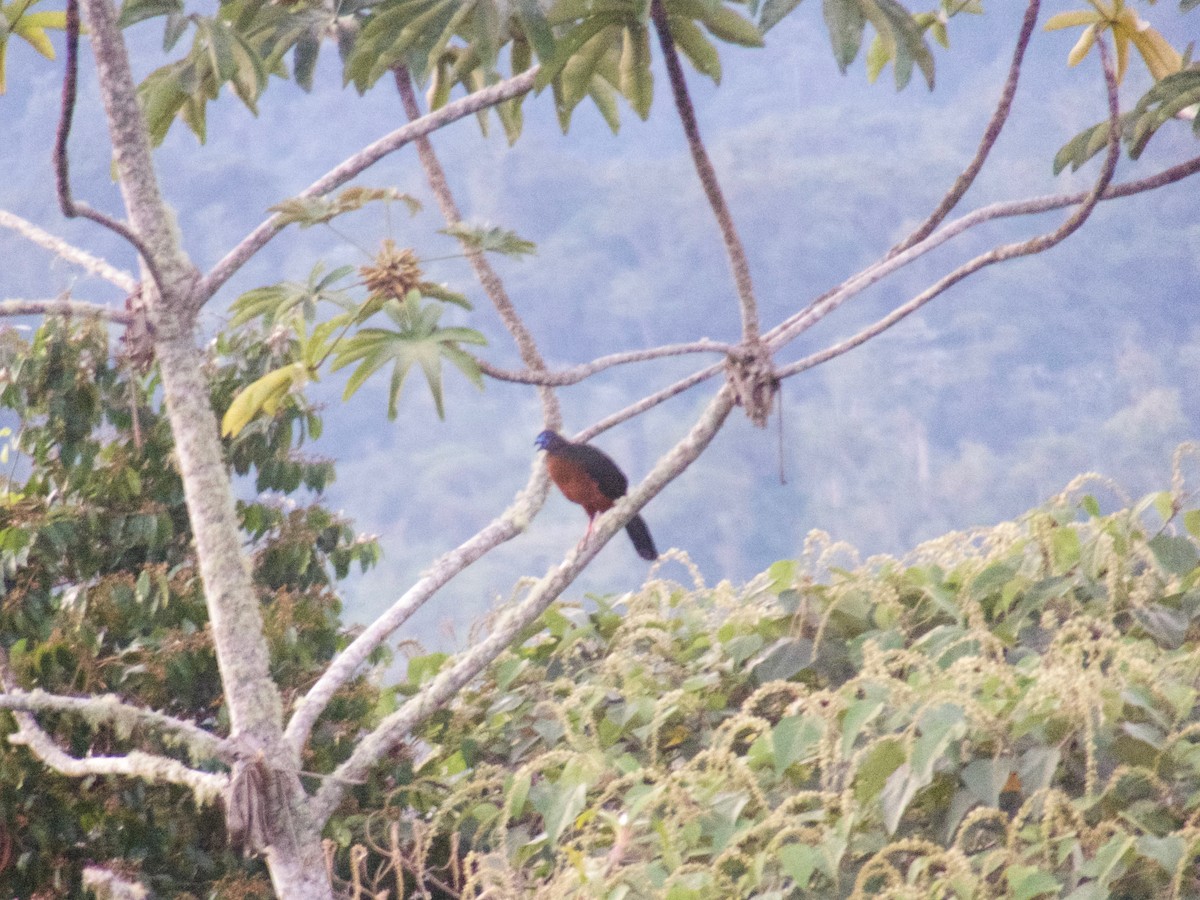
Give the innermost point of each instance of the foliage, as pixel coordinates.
(1174, 95)
(396, 288)
(1010, 712)
(100, 594)
(596, 50)
(16, 19)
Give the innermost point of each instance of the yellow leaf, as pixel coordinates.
(1071, 19)
(1160, 57)
(1082, 46)
(264, 395)
(36, 38)
(1121, 39)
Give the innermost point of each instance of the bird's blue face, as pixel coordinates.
(544, 440)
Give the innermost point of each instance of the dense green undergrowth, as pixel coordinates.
(1006, 713)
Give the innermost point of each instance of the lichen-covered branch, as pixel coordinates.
(110, 709)
(355, 165)
(60, 248)
(444, 686)
(708, 175)
(62, 307)
(205, 786)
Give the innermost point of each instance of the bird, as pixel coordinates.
(588, 476)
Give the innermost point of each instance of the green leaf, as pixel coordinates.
(721, 21)
(1191, 521)
(574, 40)
(418, 342)
(773, 12)
(1176, 554)
(1026, 882)
(309, 211)
(635, 80)
(845, 22)
(697, 48)
(1088, 143)
(939, 727)
(536, 28)
(490, 239)
(1161, 104)
(794, 738)
(133, 11)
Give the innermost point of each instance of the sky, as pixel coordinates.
(981, 406)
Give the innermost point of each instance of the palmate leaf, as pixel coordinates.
(417, 341)
(604, 46)
(275, 302)
(490, 239)
(309, 211)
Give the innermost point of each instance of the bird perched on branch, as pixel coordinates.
(588, 477)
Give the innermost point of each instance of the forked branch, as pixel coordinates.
(492, 285)
(1038, 244)
(515, 619)
(991, 133)
(72, 208)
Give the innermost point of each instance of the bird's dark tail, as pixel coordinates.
(640, 535)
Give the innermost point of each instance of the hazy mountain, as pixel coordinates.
(980, 406)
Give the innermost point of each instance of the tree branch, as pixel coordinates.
(801, 321)
(205, 785)
(112, 710)
(62, 307)
(1038, 244)
(649, 402)
(355, 165)
(708, 175)
(576, 374)
(990, 134)
(62, 249)
(70, 208)
(492, 285)
(510, 523)
(468, 665)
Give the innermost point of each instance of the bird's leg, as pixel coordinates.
(587, 534)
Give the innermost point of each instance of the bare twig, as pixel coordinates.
(61, 307)
(990, 134)
(1033, 245)
(113, 710)
(72, 208)
(649, 402)
(492, 285)
(469, 664)
(355, 165)
(576, 374)
(56, 245)
(708, 175)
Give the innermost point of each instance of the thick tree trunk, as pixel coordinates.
(290, 835)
